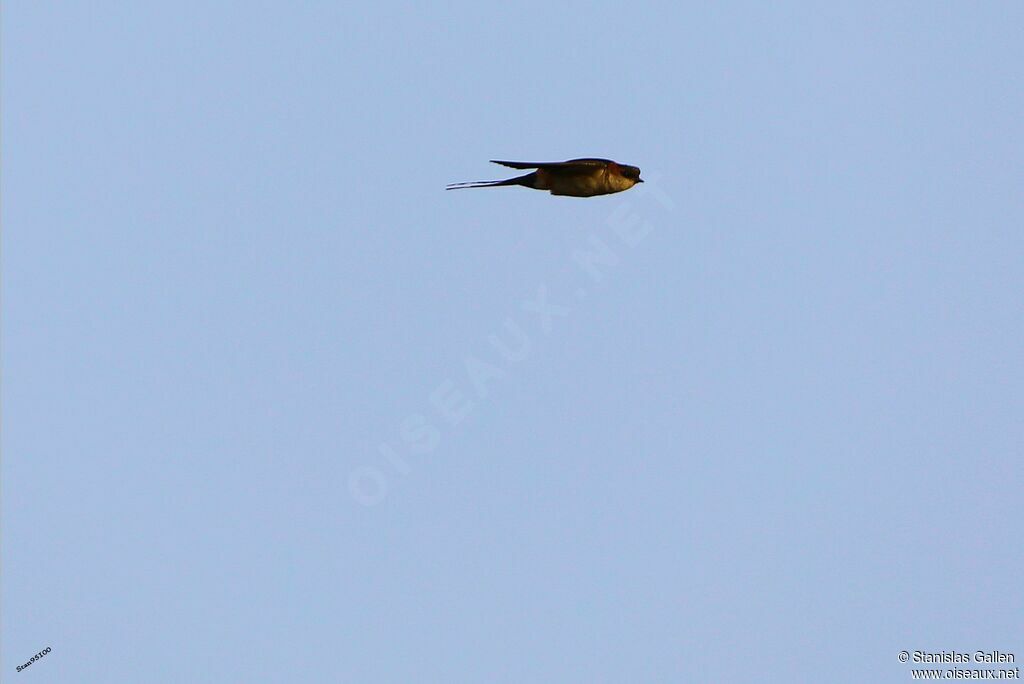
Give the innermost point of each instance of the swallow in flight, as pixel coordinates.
(576, 177)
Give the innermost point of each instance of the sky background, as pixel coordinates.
(278, 408)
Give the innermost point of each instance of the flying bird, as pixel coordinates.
(575, 178)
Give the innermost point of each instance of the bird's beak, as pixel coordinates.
(639, 180)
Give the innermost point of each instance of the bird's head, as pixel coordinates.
(631, 172)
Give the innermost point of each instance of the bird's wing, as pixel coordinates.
(577, 165)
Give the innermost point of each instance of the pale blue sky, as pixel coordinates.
(256, 427)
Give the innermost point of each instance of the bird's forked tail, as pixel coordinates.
(527, 180)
